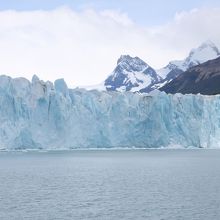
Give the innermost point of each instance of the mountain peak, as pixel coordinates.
(206, 51)
(206, 45)
(131, 74)
(124, 58)
(129, 59)
(203, 78)
(131, 63)
(209, 44)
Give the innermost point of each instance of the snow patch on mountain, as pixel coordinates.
(206, 51)
(131, 74)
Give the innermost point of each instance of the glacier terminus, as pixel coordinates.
(45, 115)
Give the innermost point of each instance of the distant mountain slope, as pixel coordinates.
(206, 51)
(131, 74)
(203, 78)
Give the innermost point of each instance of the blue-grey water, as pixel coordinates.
(114, 185)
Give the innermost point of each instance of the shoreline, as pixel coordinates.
(101, 149)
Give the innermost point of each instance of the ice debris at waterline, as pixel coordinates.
(44, 115)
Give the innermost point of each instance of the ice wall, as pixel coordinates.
(40, 114)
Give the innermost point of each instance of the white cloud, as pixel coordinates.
(188, 29)
(83, 47)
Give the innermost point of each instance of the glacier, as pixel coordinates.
(45, 115)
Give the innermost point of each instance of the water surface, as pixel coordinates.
(111, 184)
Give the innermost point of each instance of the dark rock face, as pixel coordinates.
(203, 78)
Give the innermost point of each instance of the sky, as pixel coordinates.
(81, 40)
(148, 12)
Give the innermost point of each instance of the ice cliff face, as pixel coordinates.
(40, 114)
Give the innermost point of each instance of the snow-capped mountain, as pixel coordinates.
(206, 51)
(131, 74)
(134, 75)
(203, 78)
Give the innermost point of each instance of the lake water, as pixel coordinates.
(110, 184)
